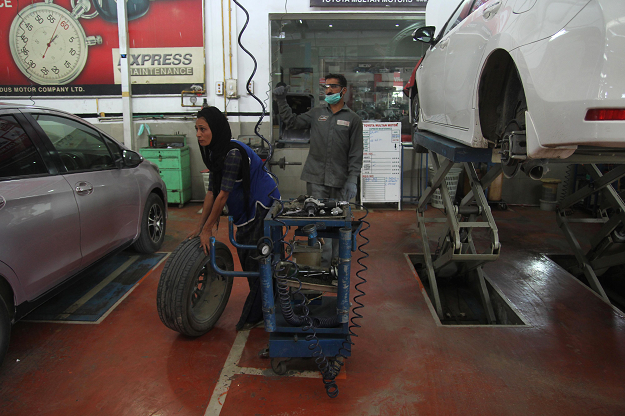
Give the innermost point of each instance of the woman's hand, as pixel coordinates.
(196, 231)
(205, 238)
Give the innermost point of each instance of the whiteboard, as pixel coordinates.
(380, 179)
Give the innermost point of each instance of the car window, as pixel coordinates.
(463, 10)
(18, 154)
(79, 146)
(116, 151)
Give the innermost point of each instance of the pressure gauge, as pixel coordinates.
(48, 43)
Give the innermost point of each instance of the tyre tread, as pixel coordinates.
(180, 266)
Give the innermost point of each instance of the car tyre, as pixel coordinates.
(191, 296)
(152, 226)
(5, 329)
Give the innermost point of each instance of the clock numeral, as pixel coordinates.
(71, 39)
(29, 27)
(72, 51)
(67, 64)
(44, 71)
(55, 70)
(64, 25)
(39, 19)
(24, 38)
(25, 51)
(31, 64)
(51, 18)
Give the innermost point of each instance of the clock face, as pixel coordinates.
(48, 44)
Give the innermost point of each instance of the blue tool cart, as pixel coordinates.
(305, 307)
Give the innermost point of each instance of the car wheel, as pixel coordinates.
(191, 296)
(5, 329)
(415, 109)
(152, 226)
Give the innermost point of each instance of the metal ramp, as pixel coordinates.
(608, 245)
(456, 245)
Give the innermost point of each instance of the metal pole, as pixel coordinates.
(122, 29)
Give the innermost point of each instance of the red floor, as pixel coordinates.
(570, 360)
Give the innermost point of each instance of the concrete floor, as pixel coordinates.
(568, 360)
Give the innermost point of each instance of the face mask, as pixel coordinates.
(333, 98)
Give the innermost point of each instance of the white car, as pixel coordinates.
(532, 79)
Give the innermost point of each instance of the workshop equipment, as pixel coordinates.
(171, 154)
(457, 250)
(608, 245)
(298, 325)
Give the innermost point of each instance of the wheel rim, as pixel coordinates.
(155, 223)
(208, 292)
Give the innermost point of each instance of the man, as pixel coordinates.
(334, 160)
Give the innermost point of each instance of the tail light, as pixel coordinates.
(605, 114)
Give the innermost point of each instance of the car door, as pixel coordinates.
(40, 237)
(431, 77)
(108, 197)
(430, 84)
(465, 50)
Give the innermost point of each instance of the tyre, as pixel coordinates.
(152, 226)
(191, 296)
(5, 329)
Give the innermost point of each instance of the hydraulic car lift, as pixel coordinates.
(457, 246)
(608, 245)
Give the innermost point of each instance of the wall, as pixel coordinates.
(224, 59)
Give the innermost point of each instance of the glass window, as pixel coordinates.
(18, 154)
(459, 15)
(114, 148)
(79, 146)
(376, 56)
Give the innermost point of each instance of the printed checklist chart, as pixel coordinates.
(381, 166)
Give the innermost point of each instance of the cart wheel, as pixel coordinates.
(264, 353)
(503, 206)
(278, 366)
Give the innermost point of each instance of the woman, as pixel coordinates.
(238, 179)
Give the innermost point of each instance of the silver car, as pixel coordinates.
(69, 196)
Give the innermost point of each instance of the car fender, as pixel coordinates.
(545, 19)
(7, 273)
(148, 185)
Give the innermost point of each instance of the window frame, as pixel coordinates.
(465, 6)
(24, 123)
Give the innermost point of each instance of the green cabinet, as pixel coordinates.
(175, 166)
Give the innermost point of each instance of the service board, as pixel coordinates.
(381, 167)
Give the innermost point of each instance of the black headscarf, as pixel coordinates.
(214, 155)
